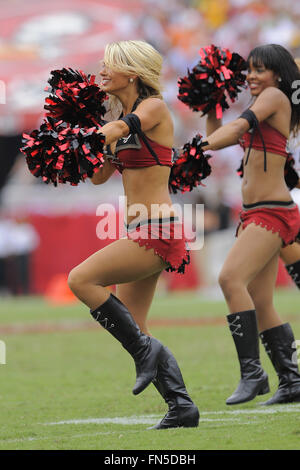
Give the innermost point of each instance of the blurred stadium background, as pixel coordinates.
(45, 231)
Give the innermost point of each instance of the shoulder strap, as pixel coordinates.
(254, 124)
(134, 124)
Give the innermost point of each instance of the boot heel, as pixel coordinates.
(265, 388)
(192, 419)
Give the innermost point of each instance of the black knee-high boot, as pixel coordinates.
(169, 383)
(145, 350)
(294, 271)
(254, 380)
(279, 343)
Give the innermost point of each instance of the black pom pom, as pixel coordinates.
(240, 170)
(59, 153)
(218, 72)
(190, 168)
(290, 175)
(75, 98)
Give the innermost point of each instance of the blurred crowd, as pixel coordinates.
(177, 28)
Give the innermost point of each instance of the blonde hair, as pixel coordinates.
(137, 58)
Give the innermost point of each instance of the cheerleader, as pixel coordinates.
(291, 254)
(140, 144)
(269, 221)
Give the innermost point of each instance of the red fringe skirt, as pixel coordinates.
(166, 237)
(276, 216)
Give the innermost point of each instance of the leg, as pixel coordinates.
(290, 253)
(249, 256)
(254, 380)
(122, 261)
(281, 348)
(291, 258)
(254, 248)
(277, 338)
(182, 412)
(138, 296)
(261, 290)
(126, 262)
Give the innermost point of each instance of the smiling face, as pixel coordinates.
(113, 82)
(259, 78)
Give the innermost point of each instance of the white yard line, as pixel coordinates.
(127, 420)
(130, 420)
(152, 419)
(238, 416)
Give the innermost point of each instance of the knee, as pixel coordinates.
(75, 280)
(225, 280)
(228, 282)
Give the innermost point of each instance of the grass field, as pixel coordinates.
(67, 383)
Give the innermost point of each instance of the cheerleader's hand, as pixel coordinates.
(63, 154)
(190, 167)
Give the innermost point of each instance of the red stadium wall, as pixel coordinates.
(66, 241)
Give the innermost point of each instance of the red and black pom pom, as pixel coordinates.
(59, 153)
(190, 168)
(290, 174)
(75, 98)
(67, 148)
(218, 72)
(240, 170)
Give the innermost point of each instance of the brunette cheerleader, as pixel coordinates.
(269, 221)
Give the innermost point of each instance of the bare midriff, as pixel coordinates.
(146, 190)
(259, 185)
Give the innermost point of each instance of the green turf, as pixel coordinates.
(175, 305)
(54, 377)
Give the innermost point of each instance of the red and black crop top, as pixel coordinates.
(262, 136)
(132, 152)
(275, 142)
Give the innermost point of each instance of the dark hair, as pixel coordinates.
(276, 58)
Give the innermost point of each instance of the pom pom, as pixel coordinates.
(75, 98)
(218, 72)
(240, 170)
(290, 175)
(59, 153)
(190, 168)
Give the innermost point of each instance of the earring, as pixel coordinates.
(131, 80)
(280, 79)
